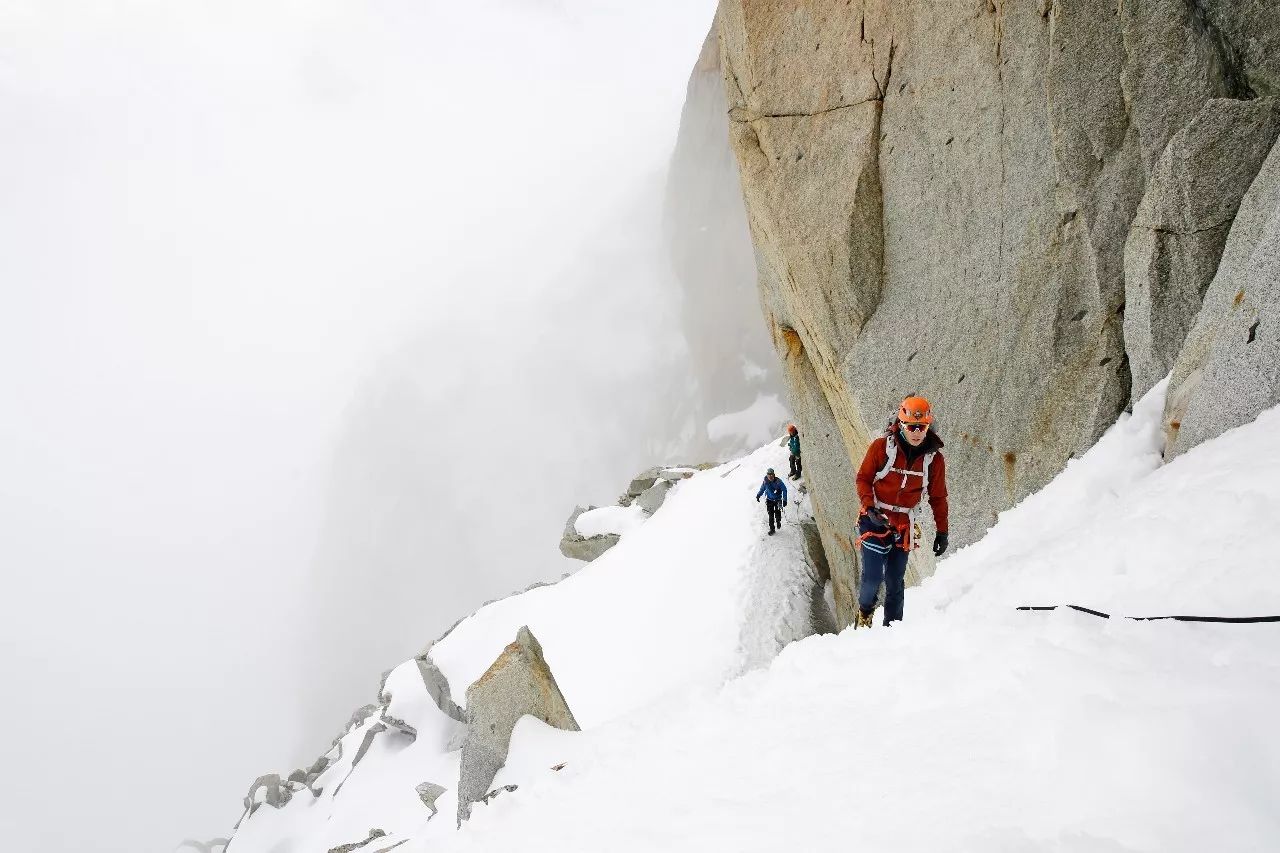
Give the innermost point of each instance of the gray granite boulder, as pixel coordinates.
(519, 682)
(652, 498)
(578, 547)
(429, 792)
(275, 793)
(374, 835)
(437, 685)
(642, 481)
(1177, 235)
(1229, 369)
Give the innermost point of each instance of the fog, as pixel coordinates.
(316, 319)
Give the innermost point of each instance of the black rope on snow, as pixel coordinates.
(1099, 613)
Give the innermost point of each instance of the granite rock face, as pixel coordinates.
(437, 686)
(519, 682)
(1180, 228)
(939, 196)
(1229, 369)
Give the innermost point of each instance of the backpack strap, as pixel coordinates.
(928, 461)
(891, 455)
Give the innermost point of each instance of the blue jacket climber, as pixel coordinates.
(775, 492)
(773, 488)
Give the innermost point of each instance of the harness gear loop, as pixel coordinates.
(870, 534)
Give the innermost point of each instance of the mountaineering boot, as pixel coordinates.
(863, 620)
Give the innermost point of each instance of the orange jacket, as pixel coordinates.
(893, 490)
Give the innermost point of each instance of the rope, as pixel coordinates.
(1099, 613)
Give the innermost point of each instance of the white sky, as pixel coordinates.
(313, 317)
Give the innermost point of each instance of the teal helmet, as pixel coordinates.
(770, 471)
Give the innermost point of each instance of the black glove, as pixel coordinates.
(877, 519)
(939, 544)
(784, 503)
(757, 499)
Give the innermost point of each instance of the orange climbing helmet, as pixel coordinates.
(791, 428)
(915, 410)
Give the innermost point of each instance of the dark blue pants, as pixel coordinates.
(773, 509)
(882, 562)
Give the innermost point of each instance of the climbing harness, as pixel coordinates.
(871, 534)
(891, 456)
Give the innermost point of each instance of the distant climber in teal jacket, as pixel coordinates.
(793, 443)
(775, 498)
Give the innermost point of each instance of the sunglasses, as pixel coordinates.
(915, 427)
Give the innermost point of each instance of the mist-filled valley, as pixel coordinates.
(317, 321)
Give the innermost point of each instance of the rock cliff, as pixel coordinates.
(940, 194)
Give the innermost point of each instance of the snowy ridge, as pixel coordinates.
(664, 607)
(970, 726)
(1119, 532)
(688, 599)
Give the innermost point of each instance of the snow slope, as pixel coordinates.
(1118, 532)
(970, 726)
(1025, 732)
(664, 608)
(975, 726)
(692, 597)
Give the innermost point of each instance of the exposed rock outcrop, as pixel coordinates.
(429, 792)
(578, 547)
(650, 500)
(939, 194)
(638, 484)
(275, 793)
(647, 490)
(1178, 233)
(519, 682)
(374, 835)
(437, 686)
(1229, 369)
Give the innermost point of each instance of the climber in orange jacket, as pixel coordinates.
(900, 467)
